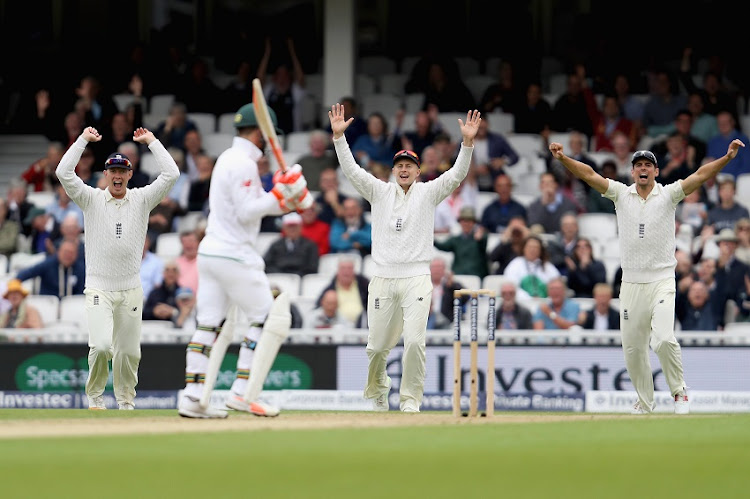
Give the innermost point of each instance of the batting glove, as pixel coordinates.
(290, 185)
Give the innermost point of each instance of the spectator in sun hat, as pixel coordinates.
(469, 247)
(20, 314)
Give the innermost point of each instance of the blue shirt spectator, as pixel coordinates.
(718, 145)
(350, 232)
(559, 312)
(61, 274)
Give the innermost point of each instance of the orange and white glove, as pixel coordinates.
(289, 186)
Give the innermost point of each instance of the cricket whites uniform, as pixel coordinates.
(400, 292)
(647, 297)
(229, 267)
(115, 234)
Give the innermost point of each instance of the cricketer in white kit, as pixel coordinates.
(400, 291)
(646, 227)
(115, 221)
(231, 274)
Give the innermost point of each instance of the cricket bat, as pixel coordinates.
(266, 125)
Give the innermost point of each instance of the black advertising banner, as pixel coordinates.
(64, 368)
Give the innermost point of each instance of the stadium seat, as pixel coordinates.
(477, 84)
(305, 305)
(368, 266)
(557, 83)
(189, 221)
(20, 261)
(449, 122)
(3, 264)
(298, 142)
(41, 199)
(328, 263)
(484, 199)
(468, 281)
(122, 101)
(564, 139)
(375, 65)
(47, 305)
(289, 283)
(225, 123)
(159, 104)
(386, 104)
(265, 240)
(597, 226)
(502, 123)
(206, 122)
(73, 310)
(530, 145)
(493, 282)
(364, 84)
(392, 83)
(168, 245)
(412, 104)
(742, 192)
(467, 66)
(313, 285)
(216, 143)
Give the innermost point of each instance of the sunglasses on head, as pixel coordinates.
(407, 153)
(118, 161)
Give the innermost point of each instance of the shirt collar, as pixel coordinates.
(247, 147)
(109, 197)
(656, 191)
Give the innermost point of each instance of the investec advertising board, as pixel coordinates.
(556, 370)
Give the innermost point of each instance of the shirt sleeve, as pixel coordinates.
(365, 183)
(676, 193)
(76, 189)
(446, 183)
(159, 188)
(614, 190)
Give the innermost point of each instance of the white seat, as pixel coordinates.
(368, 266)
(449, 122)
(189, 221)
(314, 84)
(152, 120)
(364, 85)
(168, 245)
(313, 285)
(557, 83)
(288, 283)
(73, 311)
(19, 261)
(305, 305)
(385, 104)
(160, 104)
(216, 143)
(375, 65)
(477, 84)
(611, 264)
(502, 123)
(484, 199)
(530, 145)
(122, 101)
(309, 111)
(745, 123)
(149, 164)
(393, 83)
(742, 191)
(494, 281)
(264, 241)
(564, 139)
(206, 122)
(585, 304)
(41, 199)
(597, 226)
(3, 264)
(298, 142)
(225, 124)
(468, 281)
(601, 156)
(47, 305)
(328, 264)
(412, 104)
(493, 241)
(448, 256)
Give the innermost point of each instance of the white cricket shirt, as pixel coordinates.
(115, 229)
(646, 229)
(403, 224)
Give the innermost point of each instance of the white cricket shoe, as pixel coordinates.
(126, 406)
(256, 408)
(190, 408)
(380, 404)
(681, 403)
(97, 404)
(639, 409)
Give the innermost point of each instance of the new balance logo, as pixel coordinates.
(661, 301)
(135, 309)
(420, 299)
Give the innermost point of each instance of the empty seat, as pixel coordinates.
(413, 103)
(494, 282)
(20, 261)
(530, 145)
(225, 123)
(385, 104)
(477, 84)
(298, 142)
(216, 143)
(392, 83)
(502, 123)
(149, 165)
(160, 104)
(597, 226)
(47, 305)
(73, 311)
(742, 191)
(375, 65)
(564, 139)
(467, 66)
(288, 283)
(313, 285)
(557, 83)
(122, 101)
(168, 245)
(364, 84)
(42, 199)
(328, 264)
(206, 122)
(468, 281)
(265, 240)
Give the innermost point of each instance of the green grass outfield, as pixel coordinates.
(696, 456)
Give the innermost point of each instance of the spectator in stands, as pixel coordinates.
(694, 310)
(695, 148)
(725, 214)
(596, 202)
(623, 155)
(316, 230)
(72, 125)
(443, 286)
(197, 90)
(200, 187)
(559, 312)
(161, 304)
(187, 262)
(511, 244)
(285, 91)
(350, 232)
(317, 158)
(715, 97)
(61, 274)
(704, 126)
(132, 151)
(70, 230)
(603, 316)
(352, 291)
(742, 232)
(730, 272)
(448, 210)
(573, 109)
(265, 173)
(328, 314)
(358, 127)
(85, 168)
(492, 154)
(550, 206)
(297, 319)
(511, 315)
(62, 206)
(40, 174)
(631, 106)
(572, 187)
(534, 115)
(9, 231)
(193, 148)
(692, 212)
(426, 128)
(584, 271)
(469, 247)
(180, 192)
(378, 145)
(20, 315)
(186, 318)
(161, 219)
(236, 92)
(330, 199)
(43, 227)
(121, 131)
(662, 105)
(292, 253)
(447, 149)
(18, 205)
(609, 120)
(728, 131)
(504, 94)
(172, 130)
(96, 103)
(531, 271)
(152, 268)
(429, 168)
(563, 245)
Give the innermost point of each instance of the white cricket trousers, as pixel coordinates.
(114, 334)
(647, 315)
(394, 307)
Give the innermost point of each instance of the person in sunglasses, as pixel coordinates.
(400, 292)
(646, 224)
(115, 221)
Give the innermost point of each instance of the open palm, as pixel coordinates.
(338, 122)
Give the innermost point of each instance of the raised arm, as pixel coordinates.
(263, 64)
(76, 189)
(580, 170)
(364, 182)
(708, 170)
(169, 171)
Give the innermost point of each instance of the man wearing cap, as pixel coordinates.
(292, 253)
(403, 217)
(730, 272)
(115, 222)
(231, 274)
(646, 226)
(727, 211)
(469, 247)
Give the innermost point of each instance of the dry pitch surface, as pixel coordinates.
(29, 428)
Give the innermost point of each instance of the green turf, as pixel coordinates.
(683, 457)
